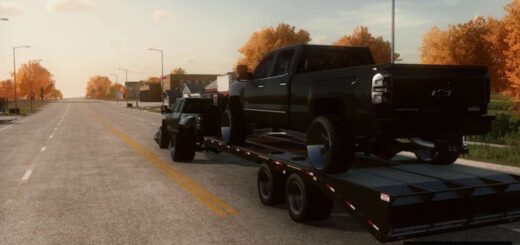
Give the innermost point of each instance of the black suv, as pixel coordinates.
(184, 125)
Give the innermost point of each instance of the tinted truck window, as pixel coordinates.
(328, 58)
(283, 62)
(197, 106)
(262, 70)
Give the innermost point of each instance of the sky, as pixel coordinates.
(76, 39)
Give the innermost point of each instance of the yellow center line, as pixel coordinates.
(217, 206)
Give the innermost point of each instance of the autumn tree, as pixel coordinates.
(97, 87)
(115, 87)
(381, 50)
(6, 89)
(265, 40)
(178, 71)
(153, 80)
(512, 54)
(476, 42)
(31, 78)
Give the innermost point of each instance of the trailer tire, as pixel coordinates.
(330, 145)
(443, 156)
(436, 157)
(164, 139)
(233, 128)
(306, 202)
(271, 187)
(182, 148)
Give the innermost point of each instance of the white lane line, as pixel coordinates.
(51, 136)
(43, 149)
(27, 174)
(55, 129)
(6, 127)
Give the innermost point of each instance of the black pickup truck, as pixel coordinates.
(184, 124)
(346, 104)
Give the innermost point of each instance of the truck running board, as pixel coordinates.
(398, 201)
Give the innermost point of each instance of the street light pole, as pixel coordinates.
(162, 71)
(115, 87)
(31, 62)
(393, 32)
(126, 81)
(14, 72)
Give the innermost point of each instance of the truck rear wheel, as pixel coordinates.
(330, 145)
(164, 138)
(270, 186)
(306, 202)
(233, 126)
(182, 148)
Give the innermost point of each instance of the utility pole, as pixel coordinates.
(126, 81)
(14, 73)
(115, 87)
(393, 33)
(162, 71)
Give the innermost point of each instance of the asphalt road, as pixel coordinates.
(87, 172)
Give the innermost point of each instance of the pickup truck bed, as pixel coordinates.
(393, 200)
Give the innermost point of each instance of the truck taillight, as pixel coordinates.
(380, 88)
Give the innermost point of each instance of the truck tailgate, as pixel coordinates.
(433, 89)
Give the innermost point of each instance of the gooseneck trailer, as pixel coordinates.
(393, 201)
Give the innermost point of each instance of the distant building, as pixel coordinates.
(224, 82)
(150, 92)
(192, 89)
(132, 90)
(174, 84)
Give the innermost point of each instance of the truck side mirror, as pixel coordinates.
(165, 109)
(242, 73)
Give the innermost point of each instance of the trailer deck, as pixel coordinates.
(393, 200)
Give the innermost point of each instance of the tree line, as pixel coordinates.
(101, 87)
(33, 81)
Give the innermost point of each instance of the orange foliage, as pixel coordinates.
(476, 42)
(6, 89)
(178, 71)
(32, 78)
(512, 54)
(153, 80)
(264, 41)
(98, 87)
(361, 37)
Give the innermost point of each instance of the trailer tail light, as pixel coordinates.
(384, 197)
(380, 88)
(373, 225)
(350, 205)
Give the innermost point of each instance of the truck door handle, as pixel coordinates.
(260, 86)
(283, 84)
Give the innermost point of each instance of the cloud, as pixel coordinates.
(379, 15)
(320, 39)
(70, 6)
(189, 60)
(11, 9)
(162, 16)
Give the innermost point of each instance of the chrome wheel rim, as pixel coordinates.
(318, 146)
(295, 198)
